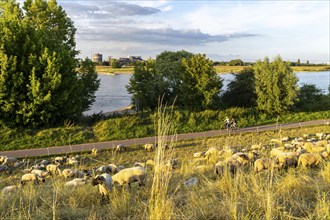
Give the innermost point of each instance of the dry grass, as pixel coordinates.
(298, 193)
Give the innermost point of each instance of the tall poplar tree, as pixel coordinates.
(39, 83)
(276, 85)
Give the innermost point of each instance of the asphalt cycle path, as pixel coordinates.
(141, 141)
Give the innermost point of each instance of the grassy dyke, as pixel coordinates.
(296, 193)
(140, 125)
(219, 69)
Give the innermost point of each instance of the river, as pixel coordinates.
(112, 93)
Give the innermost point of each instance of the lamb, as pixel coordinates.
(309, 159)
(130, 175)
(149, 147)
(120, 148)
(32, 178)
(264, 164)
(9, 189)
(105, 184)
(53, 169)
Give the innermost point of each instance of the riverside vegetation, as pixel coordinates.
(295, 193)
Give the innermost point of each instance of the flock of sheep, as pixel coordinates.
(308, 150)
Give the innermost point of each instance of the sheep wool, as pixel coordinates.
(130, 175)
(31, 177)
(105, 183)
(75, 182)
(9, 189)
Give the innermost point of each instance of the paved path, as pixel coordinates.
(141, 141)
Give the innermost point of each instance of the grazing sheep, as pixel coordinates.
(276, 151)
(76, 182)
(204, 169)
(73, 161)
(105, 184)
(5, 169)
(111, 168)
(287, 159)
(130, 175)
(70, 173)
(149, 147)
(41, 173)
(9, 189)
(264, 164)
(285, 139)
(19, 164)
(320, 136)
(309, 159)
(199, 154)
(31, 177)
(9, 160)
(212, 152)
(322, 143)
(120, 148)
(53, 169)
(60, 160)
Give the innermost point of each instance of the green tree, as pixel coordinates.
(115, 63)
(201, 84)
(241, 91)
(39, 84)
(147, 86)
(168, 65)
(276, 86)
(237, 62)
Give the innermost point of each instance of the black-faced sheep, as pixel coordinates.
(31, 177)
(130, 175)
(105, 184)
(309, 159)
(110, 168)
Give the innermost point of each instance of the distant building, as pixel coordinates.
(97, 58)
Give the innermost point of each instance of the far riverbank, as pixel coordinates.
(219, 69)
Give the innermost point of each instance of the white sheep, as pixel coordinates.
(111, 168)
(287, 159)
(264, 164)
(53, 169)
(212, 152)
(320, 135)
(120, 148)
(9, 189)
(130, 175)
(105, 184)
(41, 173)
(76, 182)
(309, 159)
(199, 154)
(70, 173)
(60, 160)
(31, 177)
(149, 147)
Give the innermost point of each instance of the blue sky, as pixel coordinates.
(223, 30)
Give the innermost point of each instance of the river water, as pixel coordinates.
(112, 93)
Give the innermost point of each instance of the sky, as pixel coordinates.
(223, 30)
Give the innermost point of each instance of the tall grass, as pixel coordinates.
(160, 203)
